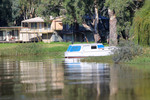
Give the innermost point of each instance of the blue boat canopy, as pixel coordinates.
(100, 46)
(74, 48)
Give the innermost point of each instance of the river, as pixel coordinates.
(70, 79)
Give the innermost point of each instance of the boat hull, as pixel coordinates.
(87, 54)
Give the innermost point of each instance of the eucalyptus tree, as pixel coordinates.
(121, 13)
(49, 8)
(76, 10)
(27, 8)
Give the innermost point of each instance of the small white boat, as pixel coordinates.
(87, 50)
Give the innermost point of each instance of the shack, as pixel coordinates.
(10, 34)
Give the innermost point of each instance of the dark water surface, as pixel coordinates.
(54, 79)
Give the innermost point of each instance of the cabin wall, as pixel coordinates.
(40, 28)
(47, 38)
(25, 37)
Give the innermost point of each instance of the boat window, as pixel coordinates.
(100, 46)
(93, 47)
(75, 48)
(69, 48)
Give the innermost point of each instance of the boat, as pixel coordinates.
(88, 50)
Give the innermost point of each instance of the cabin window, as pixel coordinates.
(25, 24)
(33, 25)
(74, 48)
(45, 26)
(40, 25)
(93, 47)
(49, 26)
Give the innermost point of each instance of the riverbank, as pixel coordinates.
(56, 49)
(143, 59)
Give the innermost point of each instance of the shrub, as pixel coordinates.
(126, 51)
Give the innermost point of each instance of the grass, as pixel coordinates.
(143, 59)
(56, 49)
(53, 49)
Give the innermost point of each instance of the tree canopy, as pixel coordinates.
(141, 25)
(5, 12)
(127, 13)
(124, 11)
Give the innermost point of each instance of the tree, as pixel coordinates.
(16, 13)
(141, 25)
(5, 12)
(49, 8)
(121, 12)
(76, 10)
(27, 8)
(112, 28)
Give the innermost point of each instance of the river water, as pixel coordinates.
(70, 79)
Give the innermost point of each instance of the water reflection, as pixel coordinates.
(21, 78)
(88, 77)
(86, 73)
(53, 79)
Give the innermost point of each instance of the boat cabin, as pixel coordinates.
(87, 50)
(85, 47)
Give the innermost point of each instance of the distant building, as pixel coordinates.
(37, 29)
(9, 34)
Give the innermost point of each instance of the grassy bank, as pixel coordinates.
(56, 49)
(141, 60)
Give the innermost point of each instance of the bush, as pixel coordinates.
(126, 51)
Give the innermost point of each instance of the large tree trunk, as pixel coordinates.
(96, 34)
(112, 29)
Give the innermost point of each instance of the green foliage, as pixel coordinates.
(124, 14)
(49, 8)
(126, 51)
(141, 25)
(5, 12)
(75, 10)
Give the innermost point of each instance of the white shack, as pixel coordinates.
(36, 29)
